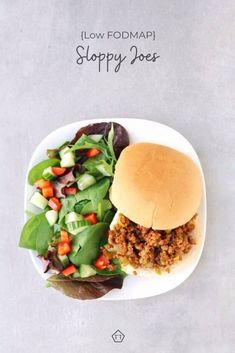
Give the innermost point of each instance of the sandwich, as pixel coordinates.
(157, 192)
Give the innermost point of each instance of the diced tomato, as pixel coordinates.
(48, 192)
(69, 270)
(92, 152)
(54, 203)
(63, 248)
(71, 190)
(58, 170)
(102, 262)
(91, 217)
(41, 183)
(64, 236)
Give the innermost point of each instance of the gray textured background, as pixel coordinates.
(191, 88)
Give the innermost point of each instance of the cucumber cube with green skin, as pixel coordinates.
(63, 151)
(64, 260)
(68, 160)
(48, 174)
(52, 217)
(85, 180)
(76, 274)
(87, 271)
(77, 227)
(38, 200)
(73, 217)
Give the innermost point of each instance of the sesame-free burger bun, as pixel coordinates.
(156, 186)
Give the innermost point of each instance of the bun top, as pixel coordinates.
(156, 186)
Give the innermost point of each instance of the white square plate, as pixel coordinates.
(139, 130)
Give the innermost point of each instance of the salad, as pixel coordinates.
(73, 211)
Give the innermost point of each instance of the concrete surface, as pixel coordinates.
(191, 88)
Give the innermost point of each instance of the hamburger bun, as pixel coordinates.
(156, 186)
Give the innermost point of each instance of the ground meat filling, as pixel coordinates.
(147, 248)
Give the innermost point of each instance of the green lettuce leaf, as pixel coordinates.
(36, 172)
(95, 192)
(88, 242)
(99, 167)
(36, 234)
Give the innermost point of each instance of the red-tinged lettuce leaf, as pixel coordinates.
(120, 138)
(58, 189)
(50, 261)
(85, 288)
(62, 181)
(67, 178)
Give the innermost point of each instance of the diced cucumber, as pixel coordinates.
(85, 180)
(64, 260)
(95, 137)
(76, 274)
(73, 217)
(74, 227)
(38, 200)
(63, 151)
(68, 159)
(52, 217)
(48, 174)
(87, 271)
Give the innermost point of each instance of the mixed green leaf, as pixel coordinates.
(36, 234)
(85, 288)
(73, 194)
(36, 172)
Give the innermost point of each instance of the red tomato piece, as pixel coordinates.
(48, 192)
(92, 152)
(41, 183)
(69, 270)
(91, 217)
(63, 248)
(102, 262)
(64, 236)
(58, 170)
(71, 190)
(54, 203)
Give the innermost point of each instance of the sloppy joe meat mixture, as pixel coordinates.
(147, 248)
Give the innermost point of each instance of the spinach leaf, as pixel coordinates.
(88, 208)
(95, 192)
(79, 205)
(36, 234)
(99, 167)
(36, 172)
(89, 241)
(85, 288)
(67, 206)
(108, 217)
(101, 208)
